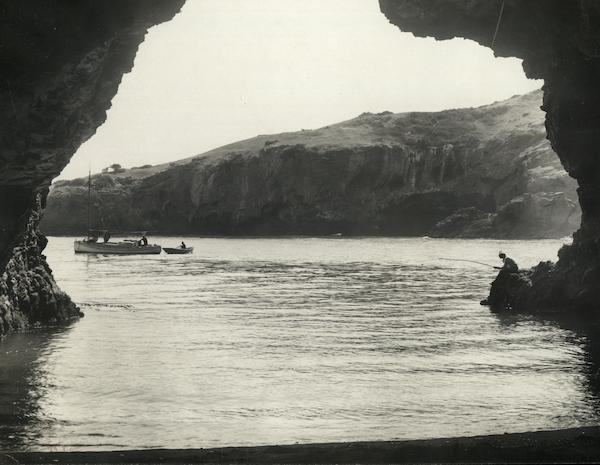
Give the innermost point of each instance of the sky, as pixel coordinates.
(226, 70)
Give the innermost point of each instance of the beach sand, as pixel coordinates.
(558, 446)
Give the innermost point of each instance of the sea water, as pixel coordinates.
(255, 341)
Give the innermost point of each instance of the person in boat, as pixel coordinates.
(106, 236)
(182, 246)
(144, 240)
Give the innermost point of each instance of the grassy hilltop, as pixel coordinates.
(474, 172)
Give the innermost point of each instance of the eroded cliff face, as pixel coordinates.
(393, 174)
(61, 63)
(559, 41)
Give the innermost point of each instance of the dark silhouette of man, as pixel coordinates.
(509, 265)
(501, 292)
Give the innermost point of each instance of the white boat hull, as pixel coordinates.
(116, 248)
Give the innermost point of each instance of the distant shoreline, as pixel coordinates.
(567, 445)
(330, 236)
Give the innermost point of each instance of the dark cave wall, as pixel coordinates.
(559, 42)
(62, 62)
(548, 35)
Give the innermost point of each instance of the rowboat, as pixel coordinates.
(116, 248)
(178, 250)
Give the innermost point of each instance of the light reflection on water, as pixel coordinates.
(263, 341)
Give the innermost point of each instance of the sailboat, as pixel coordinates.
(90, 243)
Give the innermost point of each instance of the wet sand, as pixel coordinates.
(558, 446)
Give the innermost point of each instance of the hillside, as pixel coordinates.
(477, 172)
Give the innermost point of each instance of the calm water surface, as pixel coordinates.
(262, 341)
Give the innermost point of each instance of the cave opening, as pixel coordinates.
(97, 73)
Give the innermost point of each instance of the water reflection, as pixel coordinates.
(581, 331)
(22, 385)
(586, 330)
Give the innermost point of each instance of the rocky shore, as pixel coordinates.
(559, 446)
(571, 285)
(28, 293)
(473, 172)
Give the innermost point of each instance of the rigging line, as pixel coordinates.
(498, 23)
(89, 211)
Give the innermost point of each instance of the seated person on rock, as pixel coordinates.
(501, 294)
(509, 266)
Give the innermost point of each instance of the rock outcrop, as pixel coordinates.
(539, 215)
(394, 174)
(559, 42)
(62, 63)
(28, 293)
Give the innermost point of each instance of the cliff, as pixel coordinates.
(397, 174)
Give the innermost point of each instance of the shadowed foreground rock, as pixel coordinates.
(559, 42)
(28, 293)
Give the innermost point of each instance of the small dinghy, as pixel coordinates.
(178, 250)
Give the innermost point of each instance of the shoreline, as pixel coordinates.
(326, 236)
(558, 446)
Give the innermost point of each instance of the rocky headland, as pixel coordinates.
(475, 172)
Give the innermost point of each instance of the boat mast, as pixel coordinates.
(89, 211)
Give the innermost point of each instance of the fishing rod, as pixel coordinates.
(470, 261)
